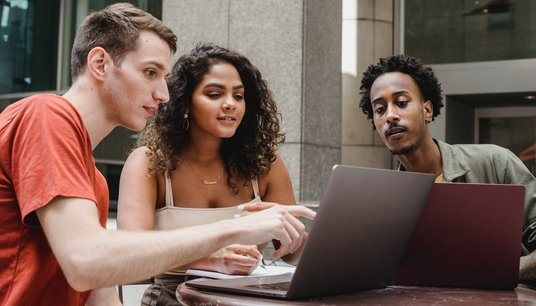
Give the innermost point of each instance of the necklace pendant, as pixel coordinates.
(203, 181)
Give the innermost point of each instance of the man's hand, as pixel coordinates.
(527, 267)
(279, 222)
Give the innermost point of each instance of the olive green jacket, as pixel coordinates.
(487, 163)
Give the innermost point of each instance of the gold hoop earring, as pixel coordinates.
(186, 122)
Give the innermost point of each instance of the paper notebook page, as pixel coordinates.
(259, 271)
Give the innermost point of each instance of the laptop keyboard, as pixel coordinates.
(274, 286)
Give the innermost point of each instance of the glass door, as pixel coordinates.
(510, 127)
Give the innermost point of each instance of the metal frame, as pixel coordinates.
(500, 112)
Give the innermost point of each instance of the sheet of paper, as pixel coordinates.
(260, 271)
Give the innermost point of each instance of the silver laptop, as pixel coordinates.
(365, 220)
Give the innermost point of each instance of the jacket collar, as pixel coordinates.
(453, 163)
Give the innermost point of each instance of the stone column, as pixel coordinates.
(367, 36)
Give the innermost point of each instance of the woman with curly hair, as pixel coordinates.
(211, 148)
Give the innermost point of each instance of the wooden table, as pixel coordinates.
(396, 295)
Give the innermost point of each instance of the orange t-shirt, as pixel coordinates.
(45, 152)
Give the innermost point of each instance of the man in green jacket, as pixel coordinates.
(402, 96)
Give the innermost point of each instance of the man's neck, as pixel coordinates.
(424, 159)
(202, 147)
(85, 98)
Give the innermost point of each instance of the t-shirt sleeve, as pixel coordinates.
(50, 157)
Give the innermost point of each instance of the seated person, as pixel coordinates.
(54, 247)
(402, 96)
(212, 147)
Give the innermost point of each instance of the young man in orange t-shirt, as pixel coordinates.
(54, 248)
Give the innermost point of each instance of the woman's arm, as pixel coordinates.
(137, 193)
(276, 186)
(278, 189)
(104, 297)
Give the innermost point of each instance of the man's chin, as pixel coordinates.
(402, 150)
(135, 127)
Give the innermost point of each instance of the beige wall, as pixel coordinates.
(367, 30)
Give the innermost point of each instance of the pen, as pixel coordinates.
(260, 263)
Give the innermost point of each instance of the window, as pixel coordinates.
(29, 45)
(456, 31)
(36, 37)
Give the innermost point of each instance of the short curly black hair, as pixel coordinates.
(423, 76)
(249, 153)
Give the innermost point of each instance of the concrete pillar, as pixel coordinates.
(367, 36)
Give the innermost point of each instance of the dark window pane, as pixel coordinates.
(28, 45)
(450, 31)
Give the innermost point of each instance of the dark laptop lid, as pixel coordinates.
(469, 235)
(364, 222)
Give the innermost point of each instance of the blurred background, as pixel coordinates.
(312, 53)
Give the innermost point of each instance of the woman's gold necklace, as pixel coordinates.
(206, 182)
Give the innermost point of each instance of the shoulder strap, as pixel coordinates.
(255, 184)
(169, 192)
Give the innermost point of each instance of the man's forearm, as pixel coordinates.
(93, 257)
(527, 267)
(152, 252)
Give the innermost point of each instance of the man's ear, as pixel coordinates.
(428, 111)
(96, 62)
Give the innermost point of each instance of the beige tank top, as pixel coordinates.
(171, 217)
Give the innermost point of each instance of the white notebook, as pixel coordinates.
(261, 270)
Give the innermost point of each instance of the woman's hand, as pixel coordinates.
(233, 259)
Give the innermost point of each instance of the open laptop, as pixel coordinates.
(365, 220)
(469, 235)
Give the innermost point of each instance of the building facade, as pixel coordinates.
(483, 53)
(312, 53)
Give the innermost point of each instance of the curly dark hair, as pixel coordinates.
(422, 75)
(250, 151)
